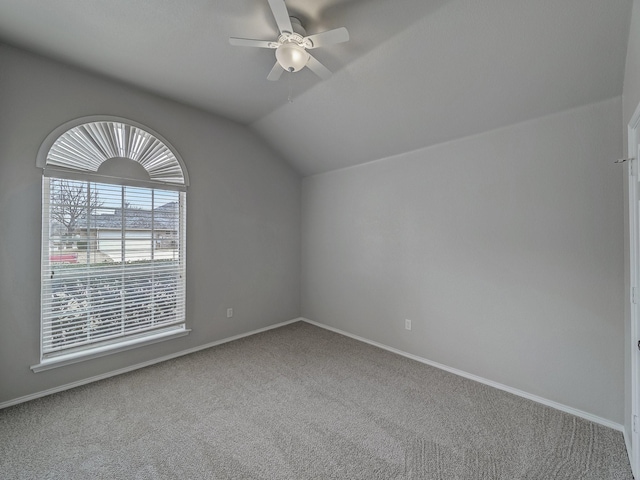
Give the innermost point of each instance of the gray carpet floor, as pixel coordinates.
(300, 402)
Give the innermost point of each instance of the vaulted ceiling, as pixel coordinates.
(415, 72)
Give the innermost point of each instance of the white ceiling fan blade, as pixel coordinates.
(319, 69)
(281, 14)
(337, 35)
(275, 72)
(248, 42)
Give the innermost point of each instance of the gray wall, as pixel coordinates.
(630, 101)
(243, 217)
(505, 250)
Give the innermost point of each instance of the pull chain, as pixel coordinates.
(290, 87)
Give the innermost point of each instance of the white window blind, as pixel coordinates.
(113, 263)
(85, 147)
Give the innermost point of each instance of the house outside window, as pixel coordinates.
(113, 241)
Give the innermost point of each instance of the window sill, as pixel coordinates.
(76, 357)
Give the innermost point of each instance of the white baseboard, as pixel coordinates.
(491, 383)
(515, 391)
(120, 371)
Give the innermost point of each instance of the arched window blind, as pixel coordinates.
(113, 244)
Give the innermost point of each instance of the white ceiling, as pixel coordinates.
(415, 73)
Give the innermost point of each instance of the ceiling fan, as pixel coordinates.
(292, 44)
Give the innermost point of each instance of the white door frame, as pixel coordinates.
(633, 443)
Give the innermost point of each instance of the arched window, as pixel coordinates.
(113, 240)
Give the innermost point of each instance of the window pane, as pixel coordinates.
(113, 262)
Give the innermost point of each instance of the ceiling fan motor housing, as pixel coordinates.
(297, 27)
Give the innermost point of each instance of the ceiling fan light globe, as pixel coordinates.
(292, 57)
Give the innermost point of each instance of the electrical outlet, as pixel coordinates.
(407, 324)
(229, 312)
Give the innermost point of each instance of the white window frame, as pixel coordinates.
(75, 151)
